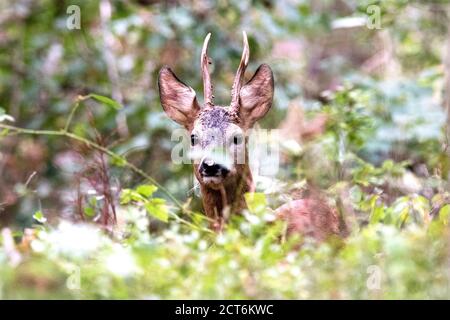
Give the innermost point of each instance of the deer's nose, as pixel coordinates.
(208, 168)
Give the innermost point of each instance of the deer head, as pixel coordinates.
(223, 180)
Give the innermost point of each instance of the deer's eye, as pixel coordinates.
(237, 139)
(194, 140)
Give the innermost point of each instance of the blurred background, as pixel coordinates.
(361, 99)
(389, 59)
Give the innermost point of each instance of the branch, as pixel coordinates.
(115, 156)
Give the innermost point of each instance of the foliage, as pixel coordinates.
(91, 206)
(143, 195)
(246, 261)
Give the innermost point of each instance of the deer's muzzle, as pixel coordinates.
(208, 168)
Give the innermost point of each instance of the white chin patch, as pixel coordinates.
(212, 180)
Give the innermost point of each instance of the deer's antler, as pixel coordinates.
(204, 62)
(239, 78)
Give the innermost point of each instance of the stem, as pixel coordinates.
(74, 109)
(72, 112)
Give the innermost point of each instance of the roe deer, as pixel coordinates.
(222, 184)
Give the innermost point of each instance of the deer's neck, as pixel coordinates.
(229, 198)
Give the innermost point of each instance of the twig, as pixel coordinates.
(29, 178)
(72, 113)
(124, 162)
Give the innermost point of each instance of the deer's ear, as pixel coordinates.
(177, 99)
(255, 98)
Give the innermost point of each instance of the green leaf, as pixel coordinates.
(93, 201)
(4, 116)
(146, 190)
(4, 132)
(118, 161)
(128, 195)
(39, 217)
(401, 211)
(377, 214)
(89, 211)
(256, 202)
(421, 208)
(107, 101)
(403, 217)
(444, 214)
(125, 196)
(157, 208)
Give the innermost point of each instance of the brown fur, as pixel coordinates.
(310, 216)
(235, 186)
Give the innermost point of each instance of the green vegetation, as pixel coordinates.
(92, 207)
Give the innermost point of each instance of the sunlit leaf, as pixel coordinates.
(4, 132)
(377, 215)
(444, 214)
(146, 190)
(157, 208)
(5, 117)
(118, 161)
(256, 202)
(89, 211)
(39, 217)
(107, 101)
(125, 196)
